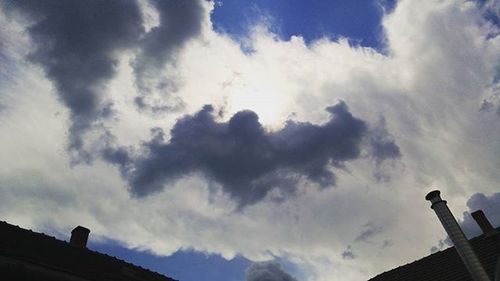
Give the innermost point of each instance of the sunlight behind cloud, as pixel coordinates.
(266, 99)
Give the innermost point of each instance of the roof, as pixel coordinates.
(446, 265)
(21, 249)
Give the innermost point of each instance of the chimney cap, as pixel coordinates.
(81, 229)
(431, 195)
(79, 236)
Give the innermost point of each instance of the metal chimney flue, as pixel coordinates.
(457, 236)
(79, 237)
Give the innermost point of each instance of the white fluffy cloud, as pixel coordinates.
(440, 66)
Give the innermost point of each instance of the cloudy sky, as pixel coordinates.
(250, 140)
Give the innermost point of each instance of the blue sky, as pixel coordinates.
(186, 264)
(357, 20)
(182, 265)
(152, 124)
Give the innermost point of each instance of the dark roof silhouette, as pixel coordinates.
(28, 255)
(446, 265)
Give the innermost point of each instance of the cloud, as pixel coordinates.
(370, 229)
(246, 159)
(76, 44)
(439, 68)
(267, 271)
(348, 254)
(492, 102)
(178, 22)
(383, 147)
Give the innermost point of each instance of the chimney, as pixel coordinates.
(79, 237)
(483, 222)
(457, 236)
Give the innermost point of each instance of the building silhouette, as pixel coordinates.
(27, 255)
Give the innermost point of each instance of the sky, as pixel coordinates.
(250, 140)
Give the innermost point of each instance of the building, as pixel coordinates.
(28, 255)
(447, 265)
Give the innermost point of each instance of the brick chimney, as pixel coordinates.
(79, 237)
(483, 222)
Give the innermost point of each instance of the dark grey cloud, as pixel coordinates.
(169, 103)
(348, 254)
(434, 249)
(178, 22)
(387, 243)
(76, 42)
(369, 230)
(382, 147)
(267, 271)
(443, 243)
(490, 105)
(244, 158)
(491, 208)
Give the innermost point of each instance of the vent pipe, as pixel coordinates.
(457, 236)
(79, 237)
